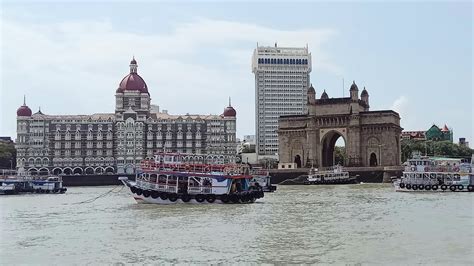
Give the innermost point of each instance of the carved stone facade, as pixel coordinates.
(372, 138)
(117, 142)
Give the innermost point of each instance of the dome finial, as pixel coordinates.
(24, 100)
(229, 102)
(133, 65)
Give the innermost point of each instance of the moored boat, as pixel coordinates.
(334, 175)
(192, 178)
(16, 184)
(436, 174)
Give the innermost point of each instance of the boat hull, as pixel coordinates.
(156, 197)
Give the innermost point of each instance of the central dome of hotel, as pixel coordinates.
(132, 81)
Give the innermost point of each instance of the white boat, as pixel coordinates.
(436, 174)
(333, 175)
(191, 178)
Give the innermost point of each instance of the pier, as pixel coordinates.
(377, 174)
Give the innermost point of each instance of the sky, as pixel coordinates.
(68, 58)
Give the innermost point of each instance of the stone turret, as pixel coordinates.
(354, 90)
(365, 96)
(311, 95)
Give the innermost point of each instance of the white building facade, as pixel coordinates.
(117, 142)
(281, 83)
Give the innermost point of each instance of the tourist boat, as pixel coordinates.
(436, 174)
(15, 184)
(261, 178)
(333, 175)
(192, 178)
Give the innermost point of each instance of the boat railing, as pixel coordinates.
(438, 168)
(225, 169)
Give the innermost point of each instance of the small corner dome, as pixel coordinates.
(229, 111)
(364, 93)
(24, 111)
(354, 86)
(324, 95)
(311, 89)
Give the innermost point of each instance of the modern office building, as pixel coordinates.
(281, 84)
(117, 142)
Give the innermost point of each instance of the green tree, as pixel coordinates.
(339, 155)
(7, 155)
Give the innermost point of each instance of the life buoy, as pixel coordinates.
(224, 198)
(460, 187)
(408, 186)
(47, 191)
(470, 188)
(173, 197)
(452, 188)
(211, 198)
(185, 197)
(199, 198)
(55, 191)
(155, 194)
(444, 187)
(139, 191)
(146, 193)
(402, 185)
(164, 196)
(421, 187)
(428, 187)
(434, 187)
(414, 187)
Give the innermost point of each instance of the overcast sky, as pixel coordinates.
(415, 58)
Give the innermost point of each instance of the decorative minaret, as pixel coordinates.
(365, 97)
(354, 90)
(311, 95)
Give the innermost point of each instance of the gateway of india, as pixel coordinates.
(117, 142)
(372, 138)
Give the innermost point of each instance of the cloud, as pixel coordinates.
(74, 67)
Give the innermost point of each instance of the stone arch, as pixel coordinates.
(297, 160)
(99, 170)
(77, 171)
(31, 161)
(67, 171)
(33, 171)
(45, 161)
(57, 171)
(373, 151)
(89, 170)
(129, 169)
(328, 145)
(43, 171)
(373, 159)
(109, 170)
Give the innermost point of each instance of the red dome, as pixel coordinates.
(133, 82)
(23, 111)
(230, 111)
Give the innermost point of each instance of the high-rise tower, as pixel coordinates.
(281, 84)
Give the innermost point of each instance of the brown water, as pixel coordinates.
(347, 224)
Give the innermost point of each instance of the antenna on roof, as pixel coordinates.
(342, 86)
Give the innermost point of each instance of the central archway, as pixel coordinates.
(333, 149)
